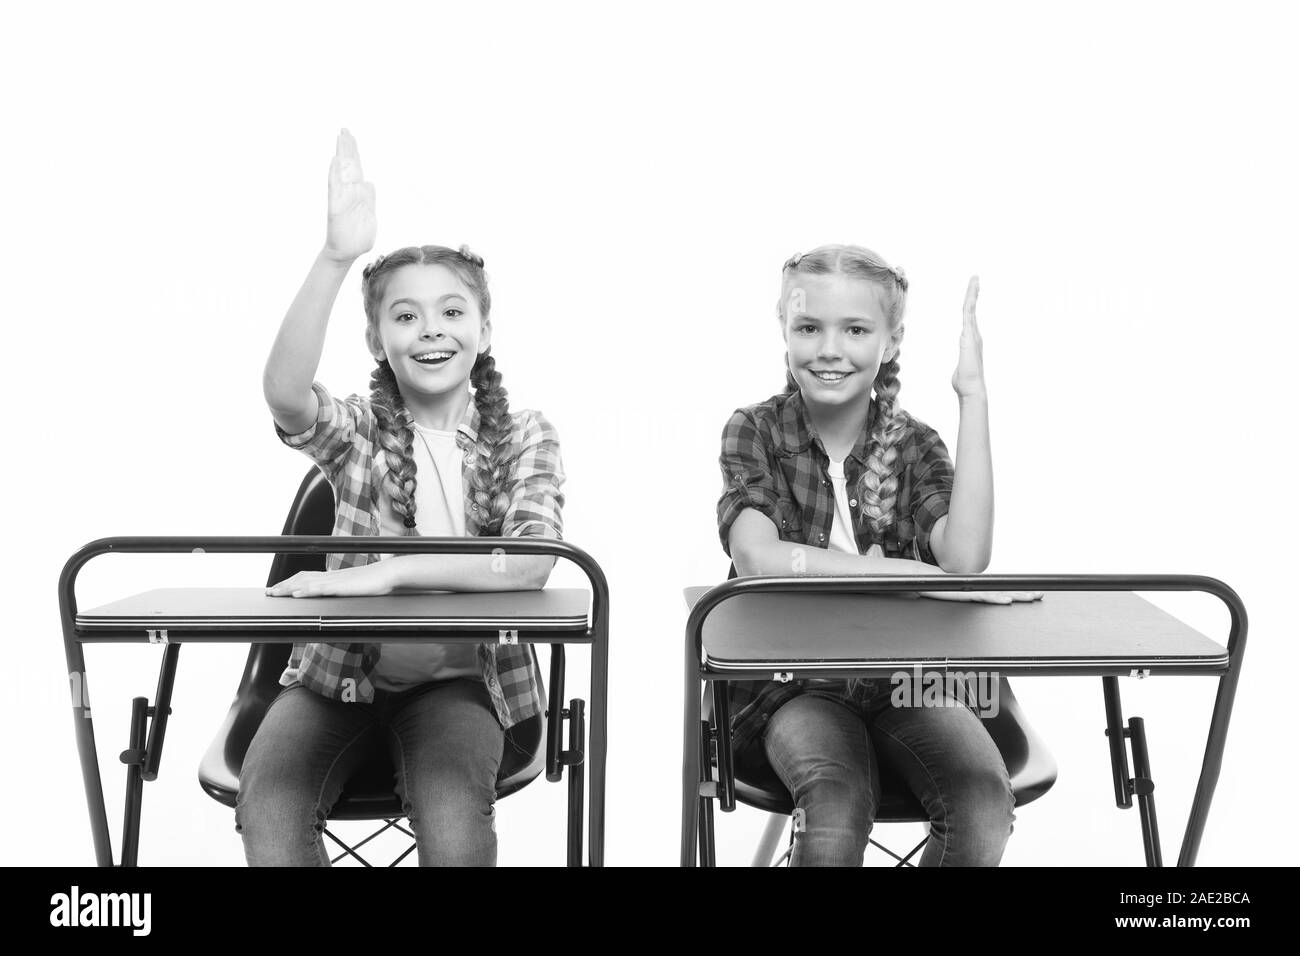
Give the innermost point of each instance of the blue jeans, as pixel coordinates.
(445, 743)
(827, 744)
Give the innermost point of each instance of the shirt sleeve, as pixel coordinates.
(931, 489)
(746, 474)
(536, 499)
(328, 440)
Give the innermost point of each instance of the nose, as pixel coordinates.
(830, 346)
(429, 332)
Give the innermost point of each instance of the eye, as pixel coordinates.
(405, 317)
(859, 329)
(453, 313)
(805, 328)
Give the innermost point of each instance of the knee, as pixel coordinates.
(980, 808)
(836, 797)
(279, 823)
(455, 828)
(985, 793)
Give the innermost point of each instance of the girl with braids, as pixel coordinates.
(434, 450)
(829, 478)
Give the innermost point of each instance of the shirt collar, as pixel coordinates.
(795, 431)
(470, 420)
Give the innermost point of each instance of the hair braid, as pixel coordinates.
(878, 486)
(396, 439)
(494, 459)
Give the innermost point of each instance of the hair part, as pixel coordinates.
(494, 456)
(877, 488)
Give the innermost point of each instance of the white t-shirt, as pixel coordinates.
(439, 512)
(842, 537)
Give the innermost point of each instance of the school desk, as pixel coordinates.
(783, 628)
(172, 617)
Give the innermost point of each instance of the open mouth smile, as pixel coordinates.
(433, 358)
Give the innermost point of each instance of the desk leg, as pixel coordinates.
(85, 730)
(1210, 767)
(690, 756)
(599, 731)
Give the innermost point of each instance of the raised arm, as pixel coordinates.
(349, 233)
(962, 540)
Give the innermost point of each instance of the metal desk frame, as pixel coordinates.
(149, 723)
(698, 790)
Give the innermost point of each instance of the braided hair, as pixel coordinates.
(878, 486)
(494, 456)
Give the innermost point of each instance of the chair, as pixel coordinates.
(368, 794)
(1029, 764)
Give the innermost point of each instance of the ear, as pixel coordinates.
(485, 336)
(373, 345)
(895, 343)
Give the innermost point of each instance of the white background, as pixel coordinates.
(1122, 177)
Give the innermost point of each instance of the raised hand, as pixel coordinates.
(968, 380)
(350, 227)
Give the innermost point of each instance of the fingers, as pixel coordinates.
(984, 597)
(972, 294)
(347, 146)
(302, 584)
(346, 164)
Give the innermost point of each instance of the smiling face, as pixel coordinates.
(430, 328)
(837, 336)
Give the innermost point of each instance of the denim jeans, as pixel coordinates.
(827, 745)
(445, 743)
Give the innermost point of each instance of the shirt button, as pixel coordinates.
(473, 507)
(853, 503)
(821, 537)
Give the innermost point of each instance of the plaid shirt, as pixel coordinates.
(773, 460)
(343, 443)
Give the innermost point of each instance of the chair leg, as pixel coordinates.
(351, 851)
(767, 843)
(347, 850)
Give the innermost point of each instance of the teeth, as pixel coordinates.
(432, 355)
(830, 376)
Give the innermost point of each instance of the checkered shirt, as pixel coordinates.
(773, 460)
(344, 444)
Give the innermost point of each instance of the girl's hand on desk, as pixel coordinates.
(983, 597)
(368, 579)
(968, 379)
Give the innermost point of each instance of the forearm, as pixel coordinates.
(791, 558)
(295, 356)
(470, 572)
(963, 541)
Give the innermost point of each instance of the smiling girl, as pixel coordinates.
(833, 477)
(434, 450)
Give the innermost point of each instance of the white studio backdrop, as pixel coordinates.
(1121, 178)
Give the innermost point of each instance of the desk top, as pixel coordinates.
(251, 610)
(1066, 629)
